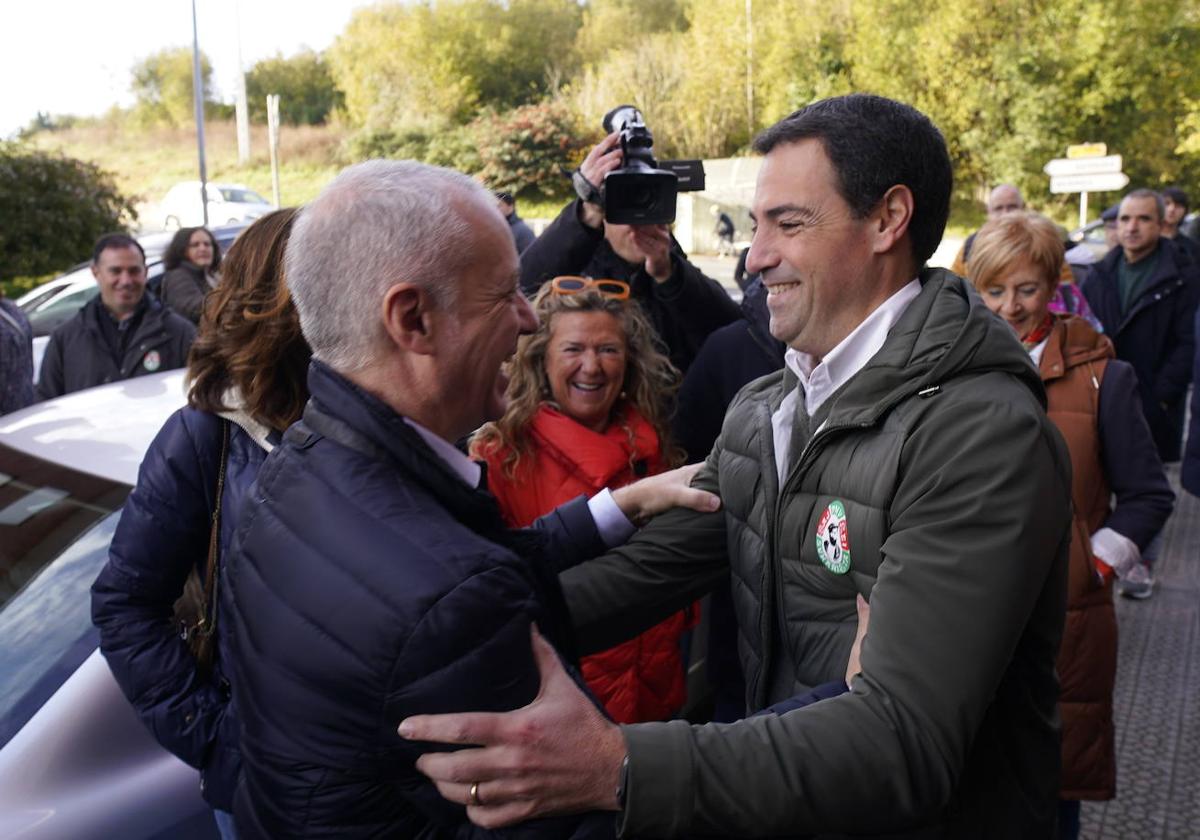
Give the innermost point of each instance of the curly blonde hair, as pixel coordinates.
(650, 379)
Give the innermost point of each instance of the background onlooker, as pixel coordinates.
(1175, 207)
(1091, 398)
(523, 236)
(247, 379)
(681, 302)
(1145, 294)
(121, 333)
(191, 262)
(588, 405)
(16, 357)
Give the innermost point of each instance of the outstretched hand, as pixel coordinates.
(655, 494)
(557, 755)
(604, 157)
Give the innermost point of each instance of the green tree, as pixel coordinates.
(162, 86)
(307, 94)
(433, 64)
(54, 207)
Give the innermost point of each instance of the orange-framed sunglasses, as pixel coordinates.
(570, 284)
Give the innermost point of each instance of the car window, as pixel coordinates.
(243, 196)
(55, 526)
(46, 318)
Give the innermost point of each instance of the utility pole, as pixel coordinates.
(198, 97)
(241, 108)
(750, 67)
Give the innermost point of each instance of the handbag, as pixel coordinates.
(196, 608)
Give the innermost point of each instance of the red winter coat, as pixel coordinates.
(641, 679)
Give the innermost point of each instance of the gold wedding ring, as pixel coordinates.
(475, 795)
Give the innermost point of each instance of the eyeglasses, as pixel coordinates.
(570, 284)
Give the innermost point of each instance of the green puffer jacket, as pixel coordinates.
(956, 493)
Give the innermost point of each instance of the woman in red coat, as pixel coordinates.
(587, 409)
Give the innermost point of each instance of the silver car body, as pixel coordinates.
(75, 761)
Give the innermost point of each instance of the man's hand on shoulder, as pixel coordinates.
(558, 755)
(657, 494)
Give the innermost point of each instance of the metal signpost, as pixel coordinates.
(1086, 168)
(273, 142)
(198, 98)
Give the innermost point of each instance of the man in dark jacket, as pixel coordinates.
(16, 357)
(1145, 294)
(1175, 208)
(522, 235)
(121, 333)
(903, 454)
(683, 304)
(372, 576)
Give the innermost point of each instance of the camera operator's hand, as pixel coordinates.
(604, 157)
(654, 242)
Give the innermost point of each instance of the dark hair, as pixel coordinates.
(1177, 196)
(176, 252)
(506, 197)
(875, 144)
(115, 240)
(1142, 192)
(249, 334)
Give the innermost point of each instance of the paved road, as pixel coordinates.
(1157, 712)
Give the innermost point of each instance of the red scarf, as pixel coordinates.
(1038, 334)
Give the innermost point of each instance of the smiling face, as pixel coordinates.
(121, 275)
(585, 365)
(815, 257)
(200, 249)
(488, 317)
(1021, 296)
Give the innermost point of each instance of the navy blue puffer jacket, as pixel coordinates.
(368, 583)
(163, 534)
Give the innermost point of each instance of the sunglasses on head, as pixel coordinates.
(570, 284)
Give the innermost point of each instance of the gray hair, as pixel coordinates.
(1145, 193)
(377, 224)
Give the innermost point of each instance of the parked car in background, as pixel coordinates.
(227, 204)
(75, 761)
(56, 301)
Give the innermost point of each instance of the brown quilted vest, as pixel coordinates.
(1072, 368)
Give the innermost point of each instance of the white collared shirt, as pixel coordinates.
(819, 379)
(614, 527)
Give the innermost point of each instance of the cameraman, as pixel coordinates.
(683, 304)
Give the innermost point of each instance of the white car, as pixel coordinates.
(227, 204)
(75, 761)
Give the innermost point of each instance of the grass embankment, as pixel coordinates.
(147, 162)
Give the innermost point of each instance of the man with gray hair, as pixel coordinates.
(372, 576)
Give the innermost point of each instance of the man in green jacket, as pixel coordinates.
(903, 454)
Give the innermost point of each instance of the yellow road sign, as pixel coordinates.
(1087, 150)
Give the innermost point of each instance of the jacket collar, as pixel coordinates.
(342, 411)
(946, 332)
(1072, 342)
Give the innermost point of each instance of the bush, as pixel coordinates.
(453, 147)
(526, 149)
(54, 207)
(307, 94)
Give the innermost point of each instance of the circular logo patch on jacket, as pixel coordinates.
(152, 361)
(833, 539)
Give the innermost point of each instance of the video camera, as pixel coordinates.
(643, 192)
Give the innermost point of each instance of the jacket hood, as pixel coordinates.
(946, 332)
